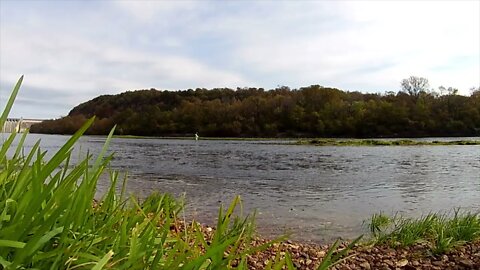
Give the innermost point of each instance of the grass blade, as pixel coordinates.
(10, 102)
(12, 244)
(100, 264)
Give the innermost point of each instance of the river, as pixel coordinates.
(316, 193)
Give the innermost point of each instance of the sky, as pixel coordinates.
(72, 51)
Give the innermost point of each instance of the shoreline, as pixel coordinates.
(386, 142)
(308, 256)
(422, 141)
(363, 256)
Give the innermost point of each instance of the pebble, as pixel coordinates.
(303, 254)
(402, 263)
(365, 265)
(466, 263)
(309, 256)
(389, 263)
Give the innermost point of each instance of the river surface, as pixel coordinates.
(316, 193)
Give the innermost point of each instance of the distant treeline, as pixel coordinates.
(313, 111)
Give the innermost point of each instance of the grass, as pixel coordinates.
(50, 220)
(47, 219)
(374, 142)
(378, 223)
(441, 232)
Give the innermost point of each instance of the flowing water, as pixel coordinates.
(316, 193)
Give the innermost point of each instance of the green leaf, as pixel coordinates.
(12, 244)
(5, 264)
(104, 149)
(100, 264)
(10, 102)
(36, 244)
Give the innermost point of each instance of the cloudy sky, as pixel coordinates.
(72, 51)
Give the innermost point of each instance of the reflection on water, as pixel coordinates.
(315, 192)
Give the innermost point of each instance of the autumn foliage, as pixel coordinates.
(313, 111)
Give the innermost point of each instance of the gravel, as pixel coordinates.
(309, 256)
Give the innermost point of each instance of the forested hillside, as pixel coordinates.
(313, 111)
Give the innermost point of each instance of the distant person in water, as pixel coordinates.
(196, 136)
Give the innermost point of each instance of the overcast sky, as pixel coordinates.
(72, 51)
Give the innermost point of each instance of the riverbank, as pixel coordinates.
(323, 141)
(202, 138)
(306, 256)
(362, 256)
(376, 253)
(383, 142)
(434, 242)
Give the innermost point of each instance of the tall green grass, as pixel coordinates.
(50, 220)
(441, 232)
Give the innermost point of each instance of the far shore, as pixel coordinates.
(385, 142)
(328, 141)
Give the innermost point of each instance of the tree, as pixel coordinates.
(308, 111)
(475, 91)
(450, 90)
(415, 85)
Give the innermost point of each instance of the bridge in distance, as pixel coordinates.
(19, 124)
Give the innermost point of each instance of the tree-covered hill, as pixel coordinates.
(313, 111)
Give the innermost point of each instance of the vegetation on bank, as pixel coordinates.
(371, 142)
(49, 219)
(440, 232)
(313, 111)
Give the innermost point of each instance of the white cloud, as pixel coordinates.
(123, 45)
(407, 37)
(148, 10)
(86, 68)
